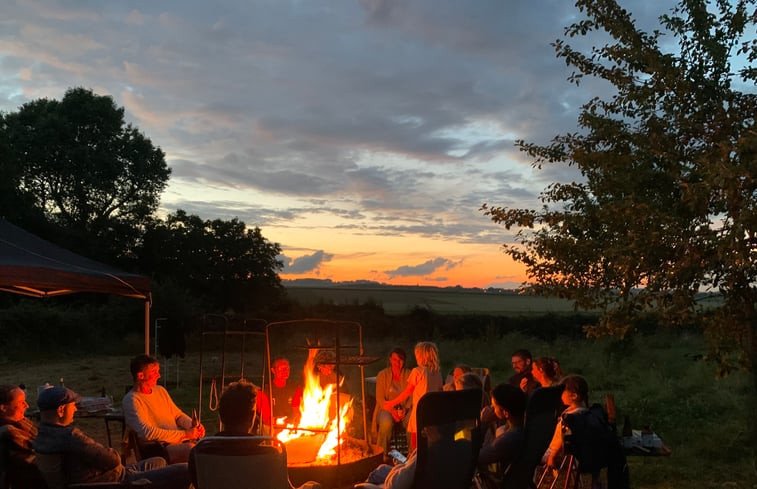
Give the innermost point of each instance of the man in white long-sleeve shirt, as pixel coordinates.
(152, 414)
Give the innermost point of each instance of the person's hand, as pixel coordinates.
(551, 460)
(194, 433)
(523, 384)
(397, 414)
(487, 414)
(388, 405)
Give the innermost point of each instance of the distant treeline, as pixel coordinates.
(82, 324)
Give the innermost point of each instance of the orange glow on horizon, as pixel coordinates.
(398, 260)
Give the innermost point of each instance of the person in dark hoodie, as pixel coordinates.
(84, 459)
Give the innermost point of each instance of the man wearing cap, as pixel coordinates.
(16, 435)
(84, 459)
(152, 414)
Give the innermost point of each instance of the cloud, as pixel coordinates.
(425, 268)
(304, 264)
(379, 117)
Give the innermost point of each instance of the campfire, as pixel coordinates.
(322, 422)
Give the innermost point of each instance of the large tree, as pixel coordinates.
(224, 262)
(92, 175)
(665, 208)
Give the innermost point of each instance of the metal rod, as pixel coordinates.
(244, 337)
(362, 386)
(199, 397)
(267, 364)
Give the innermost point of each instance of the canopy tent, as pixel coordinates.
(31, 266)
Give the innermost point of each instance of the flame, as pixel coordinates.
(317, 413)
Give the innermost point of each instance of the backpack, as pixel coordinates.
(592, 440)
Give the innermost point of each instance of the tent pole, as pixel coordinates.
(147, 327)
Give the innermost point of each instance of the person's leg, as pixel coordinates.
(378, 475)
(385, 424)
(178, 452)
(175, 476)
(151, 463)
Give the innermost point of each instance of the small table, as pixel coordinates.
(110, 416)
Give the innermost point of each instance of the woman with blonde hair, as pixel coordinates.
(426, 377)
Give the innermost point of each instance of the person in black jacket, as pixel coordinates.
(86, 460)
(509, 405)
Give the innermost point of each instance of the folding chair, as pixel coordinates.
(486, 379)
(449, 439)
(142, 449)
(542, 410)
(239, 462)
(591, 445)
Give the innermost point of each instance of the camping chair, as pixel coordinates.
(591, 445)
(236, 462)
(141, 449)
(542, 410)
(486, 379)
(449, 439)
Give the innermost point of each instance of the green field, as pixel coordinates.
(400, 300)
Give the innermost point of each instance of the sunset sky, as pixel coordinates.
(362, 136)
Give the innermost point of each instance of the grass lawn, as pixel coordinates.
(656, 380)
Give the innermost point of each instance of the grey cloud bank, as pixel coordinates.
(386, 115)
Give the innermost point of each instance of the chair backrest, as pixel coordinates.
(486, 379)
(230, 462)
(449, 439)
(542, 411)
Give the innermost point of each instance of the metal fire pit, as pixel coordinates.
(335, 476)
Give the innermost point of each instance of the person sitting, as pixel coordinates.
(236, 410)
(471, 380)
(152, 414)
(508, 405)
(286, 396)
(84, 459)
(586, 434)
(523, 378)
(576, 397)
(459, 370)
(390, 382)
(325, 368)
(18, 434)
(546, 371)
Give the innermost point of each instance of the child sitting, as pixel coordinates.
(585, 433)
